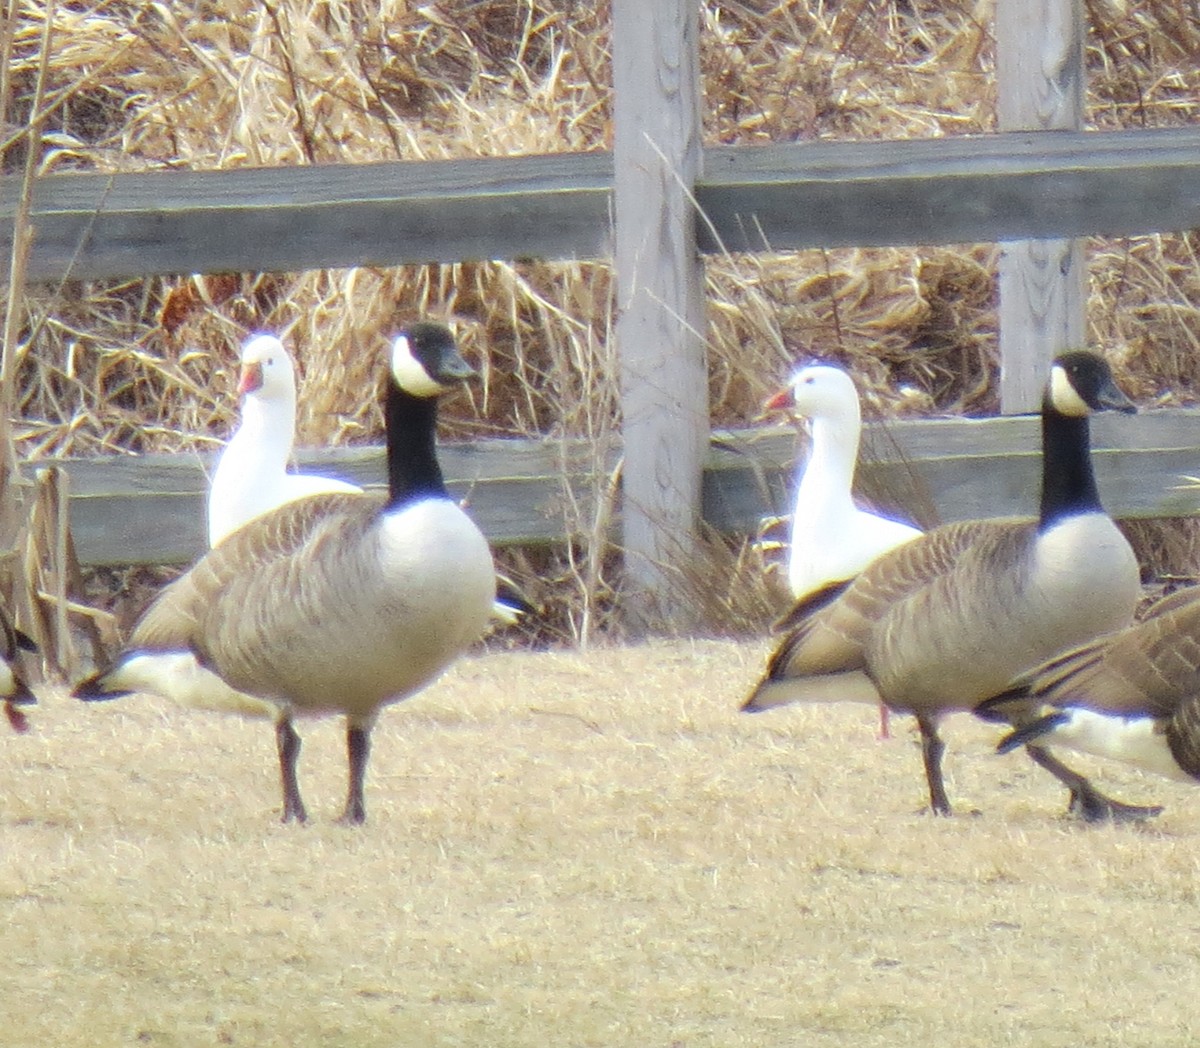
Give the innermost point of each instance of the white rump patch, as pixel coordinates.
(1137, 741)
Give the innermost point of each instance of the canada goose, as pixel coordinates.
(251, 475)
(831, 538)
(949, 619)
(340, 603)
(1133, 695)
(13, 689)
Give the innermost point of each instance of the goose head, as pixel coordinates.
(1082, 382)
(818, 391)
(426, 361)
(267, 371)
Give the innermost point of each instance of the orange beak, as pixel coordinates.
(250, 378)
(781, 400)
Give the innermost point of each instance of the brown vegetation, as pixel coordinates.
(145, 365)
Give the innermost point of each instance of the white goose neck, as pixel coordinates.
(267, 429)
(829, 472)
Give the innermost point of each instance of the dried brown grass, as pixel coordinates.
(580, 849)
(144, 365)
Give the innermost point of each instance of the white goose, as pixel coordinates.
(252, 474)
(338, 603)
(831, 538)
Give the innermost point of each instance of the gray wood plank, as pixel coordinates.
(1042, 283)
(660, 303)
(783, 197)
(150, 509)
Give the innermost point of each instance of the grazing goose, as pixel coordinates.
(13, 689)
(949, 619)
(251, 476)
(340, 603)
(1133, 695)
(831, 538)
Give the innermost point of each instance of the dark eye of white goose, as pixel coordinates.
(410, 373)
(1064, 396)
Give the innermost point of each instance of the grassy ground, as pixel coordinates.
(579, 849)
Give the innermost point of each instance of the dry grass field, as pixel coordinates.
(575, 848)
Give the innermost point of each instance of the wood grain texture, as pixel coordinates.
(150, 509)
(785, 197)
(660, 301)
(1042, 282)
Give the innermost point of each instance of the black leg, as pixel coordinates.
(1087, 802)
(358, 749)
(932, 749)
(288, 743)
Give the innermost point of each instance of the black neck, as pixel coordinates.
(413, 470)
(1068, 483)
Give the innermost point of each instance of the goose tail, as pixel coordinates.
(20, 696)
(100, 686)
(770, 692)
(1033, 732)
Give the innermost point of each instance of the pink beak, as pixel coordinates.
(250, 379)
(781, 400)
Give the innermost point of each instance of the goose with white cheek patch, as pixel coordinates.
(339, 603)
(949, 619)
(1132, 696)
(252, 473)
(831, 538)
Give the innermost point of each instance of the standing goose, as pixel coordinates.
(831, 538)
(950, 618)
(1133, 696)
(251, 476)
(340, 603)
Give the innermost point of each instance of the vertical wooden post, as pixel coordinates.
(660, 302)
(1043, 283)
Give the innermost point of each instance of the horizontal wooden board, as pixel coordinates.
(150, 509)
(754, 198)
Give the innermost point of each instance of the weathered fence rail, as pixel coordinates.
(150, 509)
(782, 197)
(1019, 185)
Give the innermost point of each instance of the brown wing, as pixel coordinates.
(834, 635)
(1152, 667)
(254, 556)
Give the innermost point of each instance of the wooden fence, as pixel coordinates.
(150, 509)
(1051, 185)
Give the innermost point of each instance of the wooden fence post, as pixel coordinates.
(1043, 283)
(660, 302)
